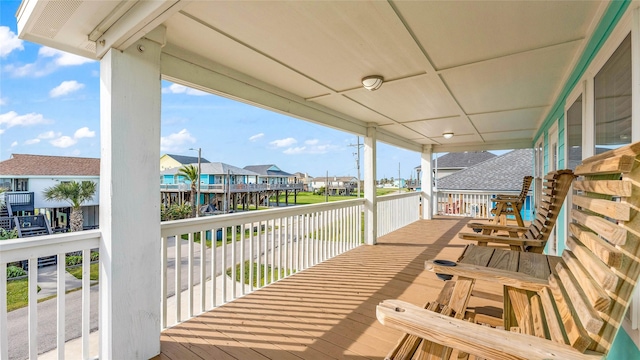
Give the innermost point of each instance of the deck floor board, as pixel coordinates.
(328, 311)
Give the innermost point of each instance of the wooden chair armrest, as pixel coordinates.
(504, 199)
(508, 228)
(479, 340)
(504, 277)
(500, 239)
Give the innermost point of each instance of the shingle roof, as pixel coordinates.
(266, 170)
(184, 160)
(35, 165)
(501, 173)
(461, 160)
(214, 168)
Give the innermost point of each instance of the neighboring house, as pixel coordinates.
(270, 174)
(220, 185)
(452, 162)
(336, 185)
(26, 176)
(468, 191)
(168, 161)
(302, 178)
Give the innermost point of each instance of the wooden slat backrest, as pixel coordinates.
(600, 266)
(556, 185)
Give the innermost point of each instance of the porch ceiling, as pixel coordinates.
(487, 71)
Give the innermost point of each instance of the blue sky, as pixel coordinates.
(49, 105)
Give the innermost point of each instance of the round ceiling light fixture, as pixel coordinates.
(447, 135)
(372, 82)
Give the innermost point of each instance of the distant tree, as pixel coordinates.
(75, 193)
(191, 173)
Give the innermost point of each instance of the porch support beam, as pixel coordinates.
(426, 161)
(130, 93)
(370, 203)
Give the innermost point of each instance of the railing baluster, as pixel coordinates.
(234, 261)
(214, 255)
(223, 265)
(242, 259)
(265, 251)
(203, 270)
(60, 302)
(178, 277)
(86, 301)
(163, 285)
(4, 333)
(33, 308)
(190, 273)
(280, 246)
(251, 256)
(273, 249)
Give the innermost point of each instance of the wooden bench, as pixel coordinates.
(534, 237)
(577, 311)
(506, 205)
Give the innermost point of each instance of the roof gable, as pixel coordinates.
(267, 170)
(501, 173)
(46, 165)
(184, 160)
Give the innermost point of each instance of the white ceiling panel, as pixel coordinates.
(237, 56)
(337, 43)
(508, 120)
(401, 130)
(347, 106)
(462, 32)
(519, 81)
(420, 97)
(458, 139)
(508, 135)
(435, 128)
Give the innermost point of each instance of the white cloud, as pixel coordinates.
(176, 141)
(32, 141)
(62, 58)
(1, 131)
(48, 135)
(181, 89)
(14, 144)
(311, 147)
(295, 150)
(84, 132)
(63, 142)
(256, 137)
(3, 101)
(12, 119)
(9, 41)
(284, 142)
(65, 88)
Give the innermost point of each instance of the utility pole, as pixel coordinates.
(197, 202)
(357, 154)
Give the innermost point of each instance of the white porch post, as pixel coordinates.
(426, 161)
(370, 203)
(130, 202)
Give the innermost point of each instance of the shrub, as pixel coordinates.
(95, 256)
(175, 212)
(14, 271)
(11, 234)
(73, 260)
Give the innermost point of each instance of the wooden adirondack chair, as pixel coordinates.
(578, 311)
(506, 205)
(534, 237)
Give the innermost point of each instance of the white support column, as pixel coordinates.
(370, 203)
(130, 201)
(426, 161)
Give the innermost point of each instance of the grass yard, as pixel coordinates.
(278, 274)
(306, 198)
(18, 294)
(77, 271)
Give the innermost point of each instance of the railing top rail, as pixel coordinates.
(398, 196)
(169, 228)
(479, 192)
(39, 246)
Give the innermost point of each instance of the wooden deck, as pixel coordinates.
(328, 311)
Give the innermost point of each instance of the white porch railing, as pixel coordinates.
(472, 204)
(273, 244)
(397, 210)
(31, 249)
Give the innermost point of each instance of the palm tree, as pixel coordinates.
(74, 193)
(191, 173)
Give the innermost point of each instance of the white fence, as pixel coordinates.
(31, 249)
(261, 247)
(472, 204)
(396, 211)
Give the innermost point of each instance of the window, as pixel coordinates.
(612, 109)
(21, 185)
(574, 133)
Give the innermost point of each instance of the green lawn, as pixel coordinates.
(18, 294)
(277, 275)
(77, 271)
(306, 198)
